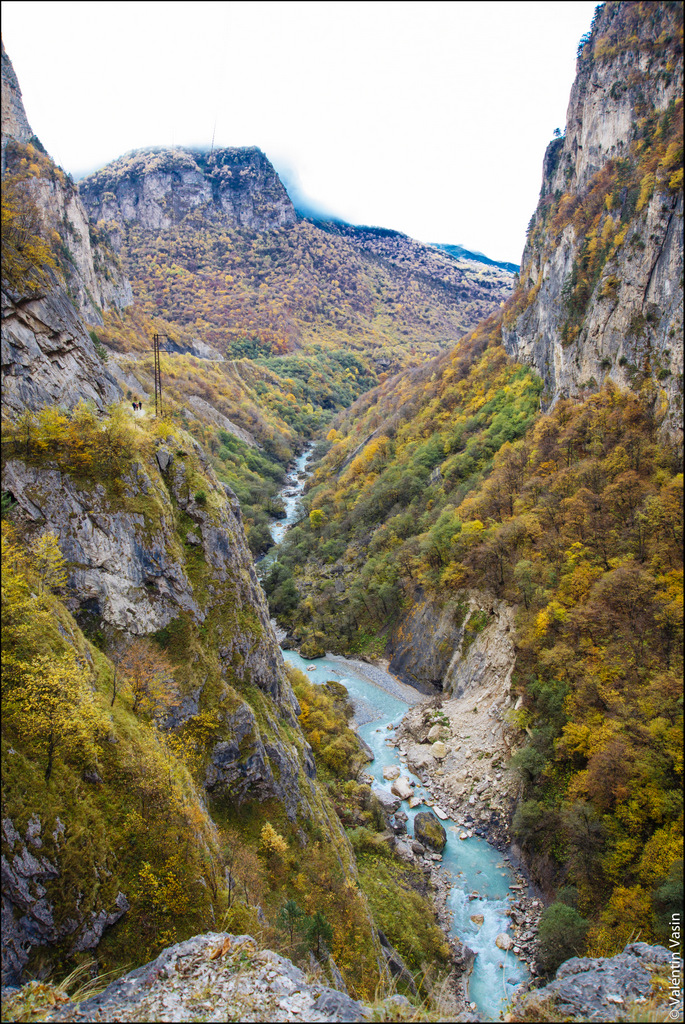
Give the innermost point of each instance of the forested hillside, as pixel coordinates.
(158, 775)
(448, 480)
(504, 456)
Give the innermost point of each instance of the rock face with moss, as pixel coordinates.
(48, 355)
(455, 646)
(158, 188)
(605, 988)
(602, 270)
(131, 573)
(429, 831)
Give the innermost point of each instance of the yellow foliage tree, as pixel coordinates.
(48, 562)
(55, 709)
(272, 841)
(149, 679)
(26, 255)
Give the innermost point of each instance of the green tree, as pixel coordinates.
(290, 916)
(561, 935)
(318, 930)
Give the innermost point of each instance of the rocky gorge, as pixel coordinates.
(491, 546)
(628, 318)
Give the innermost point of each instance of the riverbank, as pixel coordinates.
(466, 775)
(378, 675)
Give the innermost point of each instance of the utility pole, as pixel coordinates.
(158, 375)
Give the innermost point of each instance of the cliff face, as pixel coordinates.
(145, 557)
(48, 356)
(15, 124)
(601, 274)
(47, 353)
(158, 188)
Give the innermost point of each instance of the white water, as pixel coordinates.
(475, 866)
(293, 510)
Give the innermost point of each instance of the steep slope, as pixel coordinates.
(175, 727)
(15, 123)
(47, 353)
(602, 272)
(445, 492)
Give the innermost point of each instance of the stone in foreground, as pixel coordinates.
(196, 980)
(602, 988)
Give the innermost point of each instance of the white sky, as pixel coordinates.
(431, 118)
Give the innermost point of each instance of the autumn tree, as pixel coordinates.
(55, 708)
(26, 255)
(149, 679)
(48, 562)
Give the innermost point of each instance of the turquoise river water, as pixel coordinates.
(480, 875)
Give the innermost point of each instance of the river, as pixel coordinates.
(480, 875)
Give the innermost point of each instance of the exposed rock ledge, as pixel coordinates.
(215, 977)
(603, 988)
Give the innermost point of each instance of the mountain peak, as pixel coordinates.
(159, 187)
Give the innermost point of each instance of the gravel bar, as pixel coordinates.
(380, 677)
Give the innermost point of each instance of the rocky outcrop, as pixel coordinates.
(29, 917)
(452, 647)
(605, 988)
(626, 321)
(218, 976)
(130, 570)
(158, 188)
(248, 767)
(48, 356)
(15, 124)
(93, 274)
(395, 964)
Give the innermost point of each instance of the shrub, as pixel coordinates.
(561, 935)
(241, 920)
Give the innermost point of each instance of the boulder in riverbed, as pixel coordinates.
(388, 801)
(390, 772)
(439, 750)
(504, 941)
(312, 649)
(402, 788)
(429, 831)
